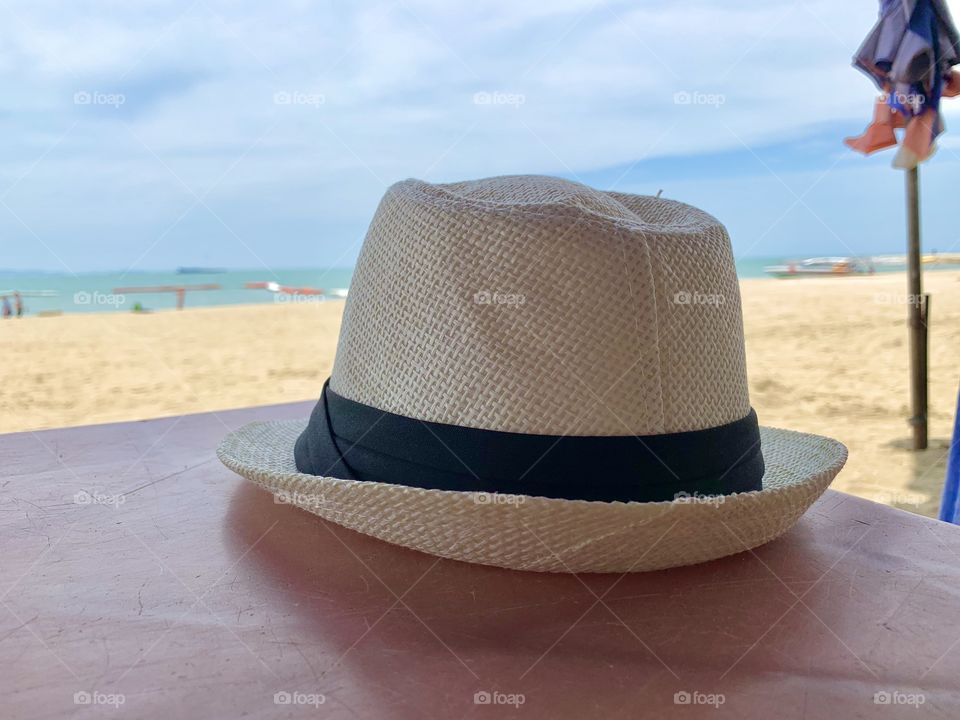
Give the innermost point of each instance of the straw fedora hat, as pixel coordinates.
(537, 375)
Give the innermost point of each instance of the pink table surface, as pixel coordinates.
(137, 569)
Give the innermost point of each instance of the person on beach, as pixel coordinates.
(7, 312)
(18, 304)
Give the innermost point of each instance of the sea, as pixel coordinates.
(98, 292)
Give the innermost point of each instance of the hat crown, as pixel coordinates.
(538, 305)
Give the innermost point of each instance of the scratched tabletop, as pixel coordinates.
(141, 579)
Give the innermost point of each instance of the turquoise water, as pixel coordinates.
(753, 267)
(94, 292)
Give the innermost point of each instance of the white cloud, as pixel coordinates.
(598, 83)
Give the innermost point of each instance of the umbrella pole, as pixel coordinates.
(917, 309)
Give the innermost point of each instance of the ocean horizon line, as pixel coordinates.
(52, 292)
(217, 269)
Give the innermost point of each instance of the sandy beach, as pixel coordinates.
(825, 355)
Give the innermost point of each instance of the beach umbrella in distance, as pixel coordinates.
(910, 54)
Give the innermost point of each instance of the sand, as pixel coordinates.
(825, 355)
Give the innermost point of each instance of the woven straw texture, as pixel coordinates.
(532, 533)
(539, 305)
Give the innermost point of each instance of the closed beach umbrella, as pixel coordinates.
(909, 54)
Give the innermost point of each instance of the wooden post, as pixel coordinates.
(916, 316)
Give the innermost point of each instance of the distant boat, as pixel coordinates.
(821, 267)
(200, 271)
(275, 287)
(933, 258)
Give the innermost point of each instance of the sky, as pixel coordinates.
(148, 135)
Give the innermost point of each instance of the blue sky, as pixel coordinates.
(144, 136)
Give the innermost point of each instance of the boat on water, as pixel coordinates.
(933, 258)
(822, 267)
(277, 288)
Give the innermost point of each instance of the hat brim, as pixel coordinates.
(546, 534)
